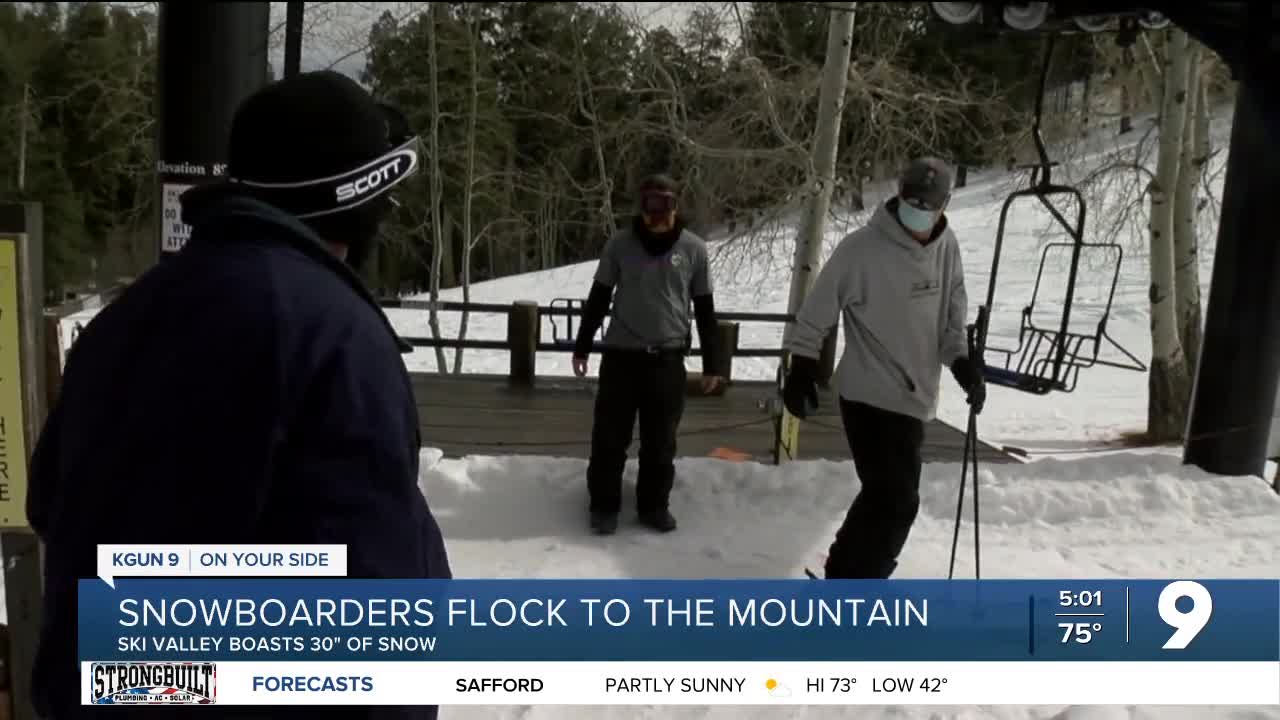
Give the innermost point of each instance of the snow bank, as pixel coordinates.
(1124, 515)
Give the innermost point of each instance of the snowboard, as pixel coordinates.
(786, 447)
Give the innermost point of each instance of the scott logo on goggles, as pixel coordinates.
(381, 175)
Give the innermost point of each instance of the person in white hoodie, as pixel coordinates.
(898, 284)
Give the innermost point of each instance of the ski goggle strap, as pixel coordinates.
(657, 202)
(336, 193)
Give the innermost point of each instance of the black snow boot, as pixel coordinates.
(604, 523)
(661, 520)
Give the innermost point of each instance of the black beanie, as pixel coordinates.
(317, 144)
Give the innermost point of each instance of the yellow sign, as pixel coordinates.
(13, 444)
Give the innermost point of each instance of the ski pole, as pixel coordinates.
(964, 475)
(977, 347)
(977, 546)
(970, 453)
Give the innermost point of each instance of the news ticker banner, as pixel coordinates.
(260, 641)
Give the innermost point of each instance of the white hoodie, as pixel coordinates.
(904, 311)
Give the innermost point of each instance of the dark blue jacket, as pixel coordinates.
(248, 390)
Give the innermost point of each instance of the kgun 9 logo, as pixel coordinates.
(1187, 624)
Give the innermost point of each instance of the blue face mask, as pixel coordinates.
(915, 219)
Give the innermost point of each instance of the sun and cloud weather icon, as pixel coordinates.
(777, 689)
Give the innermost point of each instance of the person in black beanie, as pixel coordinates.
(651, 271)
(898, 284)
(248, 389)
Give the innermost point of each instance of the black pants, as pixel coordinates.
(886, 452)
(651, 386)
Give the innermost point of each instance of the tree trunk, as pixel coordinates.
(546, 234)
(468, 188)
(448, 268)
(1169, 384)
(22, 137)
(1086, 102)
(1204, 121)
(491, 248)
(826, 138)
(438, 239)
(1126, 118)
(1128, 90)
(1153, 71)
(1186, 251)
(587, 106)
(521, 248)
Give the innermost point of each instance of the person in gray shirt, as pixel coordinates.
(651, 271)
(898, 284)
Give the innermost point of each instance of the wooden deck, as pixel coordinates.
(484, 415)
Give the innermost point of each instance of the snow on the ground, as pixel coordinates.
(1128, 515)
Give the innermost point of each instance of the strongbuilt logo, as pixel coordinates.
(153, 683)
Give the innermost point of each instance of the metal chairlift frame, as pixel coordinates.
(573, 308)
(1030, 367)
(1058, 368)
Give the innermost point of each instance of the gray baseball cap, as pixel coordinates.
(926, 183)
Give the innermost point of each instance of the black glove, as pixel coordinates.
(969, 375)
(800, 391)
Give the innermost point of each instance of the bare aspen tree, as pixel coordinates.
(469, 182)
(1204, 151)
(24, 120)
(1152, 69)
(437, 180)
(1128, 91)
(586, 98)
(826, 137)
(1186, 251)
(1169, 383)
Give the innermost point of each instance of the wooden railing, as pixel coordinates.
(524, 338)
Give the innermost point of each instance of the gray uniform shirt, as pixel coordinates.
(652, 294)
(903, 306)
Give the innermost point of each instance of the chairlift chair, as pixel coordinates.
(571, 308)
(1049, 359)
(1046, 359)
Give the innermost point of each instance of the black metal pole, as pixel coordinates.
(293, 38)
(211, 56)
(1239, 372)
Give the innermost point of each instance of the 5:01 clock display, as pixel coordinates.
(1081, 599)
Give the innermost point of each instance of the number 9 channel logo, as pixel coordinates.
(1186, 624)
